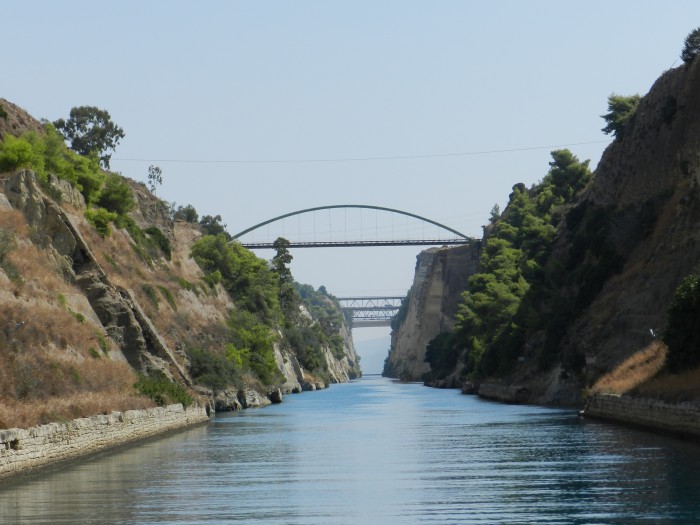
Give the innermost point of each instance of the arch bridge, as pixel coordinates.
(358, 236)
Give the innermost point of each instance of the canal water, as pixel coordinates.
(376, 452)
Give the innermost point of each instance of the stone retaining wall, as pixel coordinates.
(22, 450)
(676, 418)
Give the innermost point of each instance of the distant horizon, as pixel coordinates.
(373, 351)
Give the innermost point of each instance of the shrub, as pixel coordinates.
(116, 195)
(163, 391)
(186, 285)
(305, 343)
(167, 294)
(17, 153)
(102, 342)
(691, 46)
(100, 219)
(8, 243)
(441, 355)
(3, 113)
(210, 369)
(681, 334)
(185, 213)
(151, 294)
(159, 239)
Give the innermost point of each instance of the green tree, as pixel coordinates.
(503, 302)
(495, 213)
(280, 265)
(682, 335)
(155, 178)
(249, 280)
(213, 226)
(620, 110)
(90, 131)
(691, 46)
(184, 213)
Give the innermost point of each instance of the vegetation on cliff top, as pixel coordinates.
(237, 351)
(503, 304)
(525, 292)
(267, 299)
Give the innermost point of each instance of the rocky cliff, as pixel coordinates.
(616, 259)
(83, 315)
(647, 189)
(440, 278)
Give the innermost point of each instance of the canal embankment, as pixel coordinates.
(25, 450)
(682, 418)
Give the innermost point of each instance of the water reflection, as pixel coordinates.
(376, 452)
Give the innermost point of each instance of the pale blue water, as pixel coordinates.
(377, 452)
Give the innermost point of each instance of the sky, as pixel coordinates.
(253, 108)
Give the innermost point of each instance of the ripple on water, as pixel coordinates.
(376, 451)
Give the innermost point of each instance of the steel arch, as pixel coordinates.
(362, 206)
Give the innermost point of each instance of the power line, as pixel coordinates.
(358, 159)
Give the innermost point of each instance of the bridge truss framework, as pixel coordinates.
(371, 311)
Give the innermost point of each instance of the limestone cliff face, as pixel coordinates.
(119, 314)
(440, 278)
(347, 367)
(340, 368)
(148, 312)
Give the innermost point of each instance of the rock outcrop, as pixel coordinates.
(647, 186)
(119, 313)
(642, 207)
(441, 276)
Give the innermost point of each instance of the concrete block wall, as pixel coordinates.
(22, 450)
(678, 418)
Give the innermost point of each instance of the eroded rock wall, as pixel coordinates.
(440, 278)
(115, 307)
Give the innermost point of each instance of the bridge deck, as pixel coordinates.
(348, 244)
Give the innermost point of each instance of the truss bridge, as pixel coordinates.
(371, 311)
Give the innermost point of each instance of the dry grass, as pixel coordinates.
(53, 357)
(24, 414)
(13, 220)
(53, 363)
(673, 388)
(643, 375)
(634, 371)
(196, 319)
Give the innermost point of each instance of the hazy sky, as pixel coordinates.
(295, 80)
